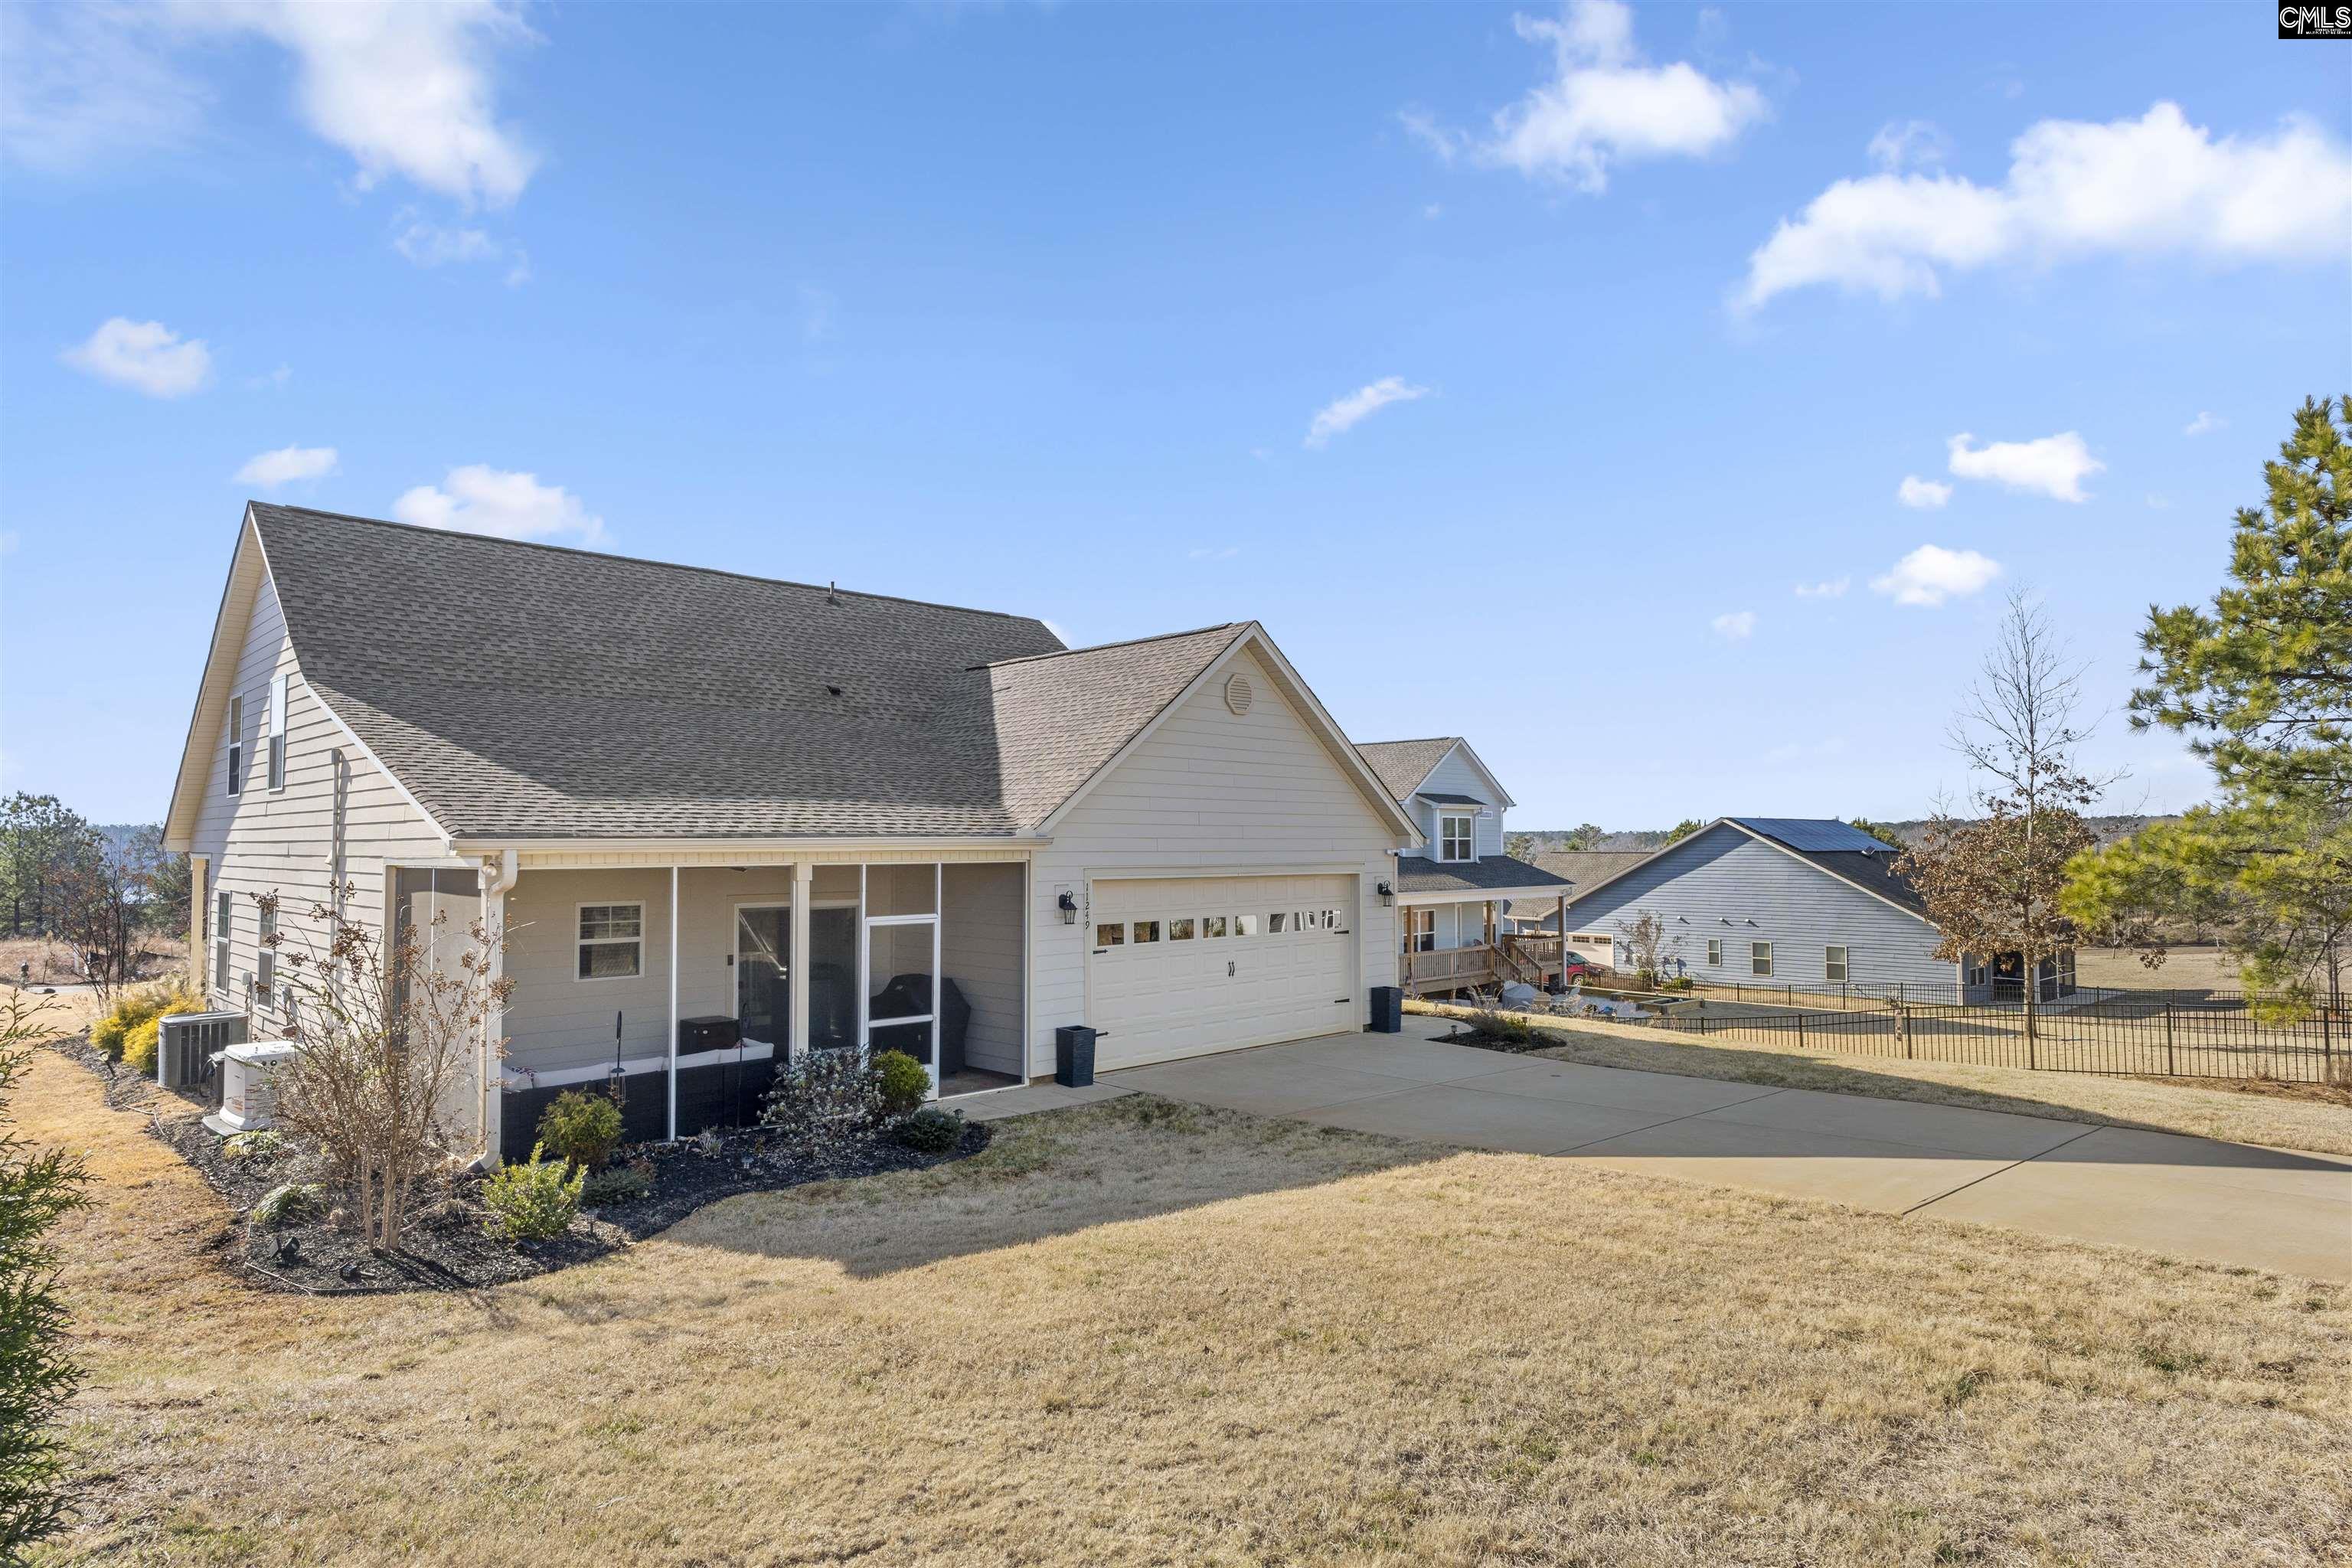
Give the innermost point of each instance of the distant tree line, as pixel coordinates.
(100, 890)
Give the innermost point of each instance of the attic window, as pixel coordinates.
(1239, 692)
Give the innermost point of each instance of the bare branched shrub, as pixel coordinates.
(387, 1035)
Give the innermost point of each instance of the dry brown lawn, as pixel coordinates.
(1146, 1334)
(2297, 1116)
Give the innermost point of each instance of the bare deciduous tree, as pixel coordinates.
(1645, 937)
(390, 1028)
(1991, 882)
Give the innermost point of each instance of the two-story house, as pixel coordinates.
(1451, 894)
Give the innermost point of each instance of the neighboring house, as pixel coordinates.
(702, 805)
(1789, 902)
(1452, 893)
(1583, 868)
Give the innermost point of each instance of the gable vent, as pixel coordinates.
(1238, 693)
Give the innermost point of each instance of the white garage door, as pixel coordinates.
(1181, 967)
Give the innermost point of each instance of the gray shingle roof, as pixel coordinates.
(526, 691)
(1587, 866)
(1400, 765)
(1436, 799)
(1492, 873)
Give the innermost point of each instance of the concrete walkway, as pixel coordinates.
(2188, 1197)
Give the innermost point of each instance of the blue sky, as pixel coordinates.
(1515, 367)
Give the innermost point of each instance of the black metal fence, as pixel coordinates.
(2172, 1035)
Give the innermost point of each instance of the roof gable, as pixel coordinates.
(1402, 766)
(1869, 872)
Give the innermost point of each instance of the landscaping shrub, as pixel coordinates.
(127, 1031)
(905, 1084)
(929, 1130)
(621, 1184)
(1503, 1031)
(259, 1147)
(582, 1127)
(828, 1103)
(287, 1200)
(534, 1200)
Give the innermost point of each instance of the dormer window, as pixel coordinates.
(1453, 837)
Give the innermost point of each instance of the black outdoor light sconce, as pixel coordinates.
(1068, 905)
(1387, 893)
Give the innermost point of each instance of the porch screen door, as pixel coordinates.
(899, 962)
(763, 946)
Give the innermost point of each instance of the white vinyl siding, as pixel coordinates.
(337, 820)
(1458, 774)
(1222, 793)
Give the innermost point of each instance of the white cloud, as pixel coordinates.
(1931, 574)
(1343, 414)
(286, 465)
(1602, 106)
(429, 244)
(408, 90)
(2204, 424)
(146, 356)
(1923, 494)
(2137, 187)
(1831, 588)
(1736, 626)
(1911, 144)
(86, 83)
(479, 498)
(2054, 466)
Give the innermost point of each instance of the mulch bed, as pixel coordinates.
(446, 1248)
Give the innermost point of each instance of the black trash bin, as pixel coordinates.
(1388, 1009)
(1074, 1055)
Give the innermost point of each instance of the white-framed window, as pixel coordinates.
(265, 965)
(1421, 930)
(1455, 840)
(1277, 922)
(1245, 925)
(276, 728)
(1111, 933)
(1759, 958)
(612, 941)
(1834, 965)
(1146, 930)
(235, 744)
(1714, 951)
(1213, 925)
(223, 907)
(1181, 929)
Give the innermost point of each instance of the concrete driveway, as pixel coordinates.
(2188, 1197)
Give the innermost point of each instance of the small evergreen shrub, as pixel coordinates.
(582, 1127)
(260, 1148)
(929, 1130)
(1502, 1031)
(905, 1084)
(621, 1184)
(532, 1201)
(287, 1201)
(828, 1103)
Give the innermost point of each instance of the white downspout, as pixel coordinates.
(498, 879)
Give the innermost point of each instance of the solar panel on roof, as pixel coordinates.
(1811, 834)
